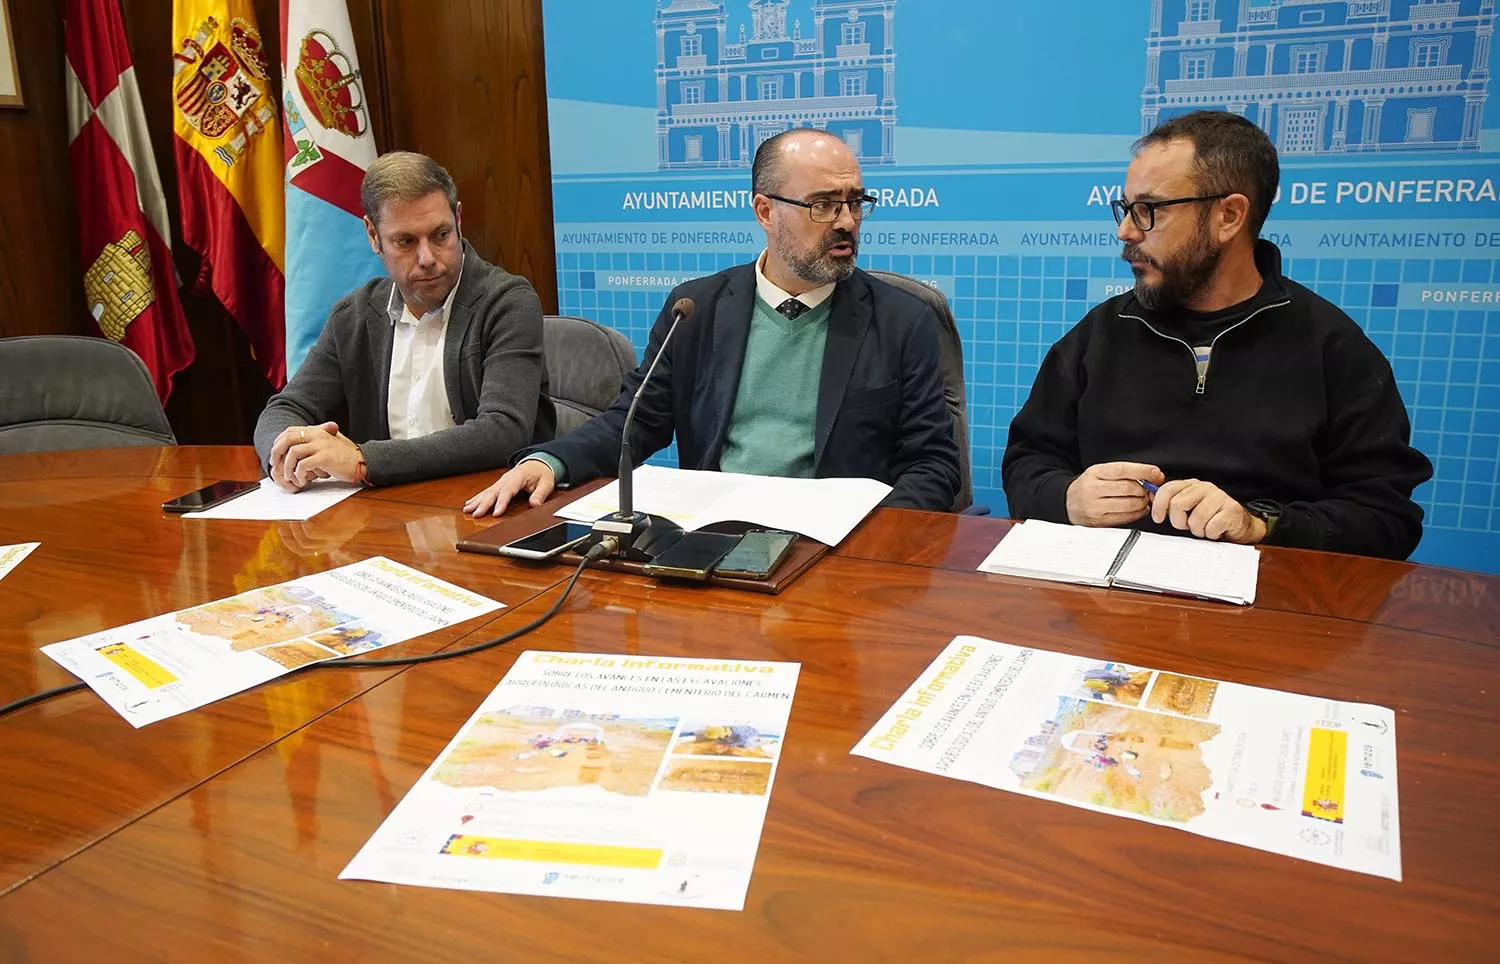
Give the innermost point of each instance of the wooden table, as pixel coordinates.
(73, 772)
(229, 844)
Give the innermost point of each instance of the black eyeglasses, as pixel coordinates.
(1143, 213)
(825, 210)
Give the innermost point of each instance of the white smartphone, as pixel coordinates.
(551, 542)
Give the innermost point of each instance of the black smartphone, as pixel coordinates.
(757, 554)
(549, 543)
(209, 496)
(691, 557)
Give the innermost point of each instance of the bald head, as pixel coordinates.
(808, 195)
(800, 147)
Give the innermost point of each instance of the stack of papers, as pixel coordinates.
(826, 510)
(273, 504)
(1128, 559)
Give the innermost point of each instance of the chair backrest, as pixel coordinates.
(586, 367)
(70, 392)
(952, 350)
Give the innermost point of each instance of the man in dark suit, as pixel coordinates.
(796, 365)
(435, 370)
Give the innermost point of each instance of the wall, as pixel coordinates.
(995, 135)
(37, 251)
(479, 108)
(463, 81)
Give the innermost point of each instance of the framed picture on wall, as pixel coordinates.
(10, 74)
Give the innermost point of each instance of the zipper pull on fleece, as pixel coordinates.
(1202, 379)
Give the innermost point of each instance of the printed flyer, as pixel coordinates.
(620, 778)
(1296, 775)
(11, 556)
(166, 665)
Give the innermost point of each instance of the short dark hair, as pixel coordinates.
(404, 176)
(766, 171)
(1230, 156)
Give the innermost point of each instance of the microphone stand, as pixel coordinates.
(639, 536)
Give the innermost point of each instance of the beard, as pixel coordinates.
(1183, 278)
(815, 265)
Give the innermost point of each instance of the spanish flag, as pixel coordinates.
(229, 168)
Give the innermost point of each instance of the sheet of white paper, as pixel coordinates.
(166, 665)
(823, 509)
(271, 504)
(1296, 775)
(11, 556)
(1061, 553)
(1193, 567)
(602, 777)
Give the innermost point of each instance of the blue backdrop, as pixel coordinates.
(996, 135)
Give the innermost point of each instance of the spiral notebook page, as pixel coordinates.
(1046, 550)
(1191, 567)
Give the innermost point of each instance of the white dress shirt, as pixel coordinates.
(774, 296)
(417, 402)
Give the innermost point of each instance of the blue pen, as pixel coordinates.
(1148, 486)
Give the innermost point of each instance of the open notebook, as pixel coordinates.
(1128, 559)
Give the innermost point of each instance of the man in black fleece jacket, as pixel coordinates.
(1219, 398)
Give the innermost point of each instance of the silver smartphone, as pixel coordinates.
(551, 542)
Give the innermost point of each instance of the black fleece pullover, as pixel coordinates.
(1297, 406)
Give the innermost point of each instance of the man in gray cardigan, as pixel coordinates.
(436, 370)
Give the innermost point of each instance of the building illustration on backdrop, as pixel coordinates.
(1324, 77)
(723, 88)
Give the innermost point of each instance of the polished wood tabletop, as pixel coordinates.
(859, 861)
(72, 770)
(1451, 602)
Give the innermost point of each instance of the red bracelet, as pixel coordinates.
(361, 472)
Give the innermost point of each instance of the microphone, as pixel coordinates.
(636, 533)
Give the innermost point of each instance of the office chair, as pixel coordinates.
(586, 367)
(70, 392)
(952, 350)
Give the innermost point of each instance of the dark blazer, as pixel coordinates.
(881, 412)
(493, 369)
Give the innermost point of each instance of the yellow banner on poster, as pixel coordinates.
(552, 852)
(1323, 790)
(148, 672)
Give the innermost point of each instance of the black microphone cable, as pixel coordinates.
(25, 701)
(599, 551)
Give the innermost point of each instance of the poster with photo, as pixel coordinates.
(1295, 775)
(603, 777)
(159, 667)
